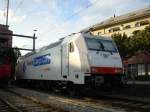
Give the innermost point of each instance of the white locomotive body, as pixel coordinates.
(80, 58)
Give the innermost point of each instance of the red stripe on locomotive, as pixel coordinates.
(106, 70)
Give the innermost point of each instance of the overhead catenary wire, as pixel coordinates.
(76, 13)
(66, 20)
(17, 7)
(2, 5)
(3, 9)
(70, 17)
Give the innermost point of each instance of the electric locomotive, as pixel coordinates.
(78, 59)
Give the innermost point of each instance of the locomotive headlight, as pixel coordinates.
(94, 70)
(118, 70)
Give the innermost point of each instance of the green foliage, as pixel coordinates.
(122, 42)
(139, 41)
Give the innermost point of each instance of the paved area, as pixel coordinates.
(139, 82)
(138, 88)
(22, 104)
(67, 104)
(144, 99)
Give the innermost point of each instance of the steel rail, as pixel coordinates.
(11, 106)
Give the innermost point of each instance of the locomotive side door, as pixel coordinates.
(64, 60)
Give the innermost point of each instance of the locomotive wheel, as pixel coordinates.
(75, 90)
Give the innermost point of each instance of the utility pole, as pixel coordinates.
(7, 13)
(34, 40)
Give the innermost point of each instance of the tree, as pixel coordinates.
(122, 43)
(139, 41)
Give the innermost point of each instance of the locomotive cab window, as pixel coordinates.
(101, 45)
(71, 47)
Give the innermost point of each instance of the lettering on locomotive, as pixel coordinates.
(41, 60)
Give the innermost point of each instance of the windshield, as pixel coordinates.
(100, 45)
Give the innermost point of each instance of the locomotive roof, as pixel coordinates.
(51, 45)
(44, 48)
(84, 34)
(90, 35)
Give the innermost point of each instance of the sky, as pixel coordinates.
(54, 19)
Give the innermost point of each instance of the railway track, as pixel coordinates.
(116, 101)
(107, 103)
(6, 107)
(11, 102)
(128, 105)
(119, 102)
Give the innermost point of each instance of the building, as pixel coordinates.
(126, 23)
(5, 40)
(137, 65)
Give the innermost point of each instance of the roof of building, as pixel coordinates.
(122, 18)
(138, 58)
(4, 29)
(3, 26)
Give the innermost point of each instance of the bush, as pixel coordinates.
(139, 41)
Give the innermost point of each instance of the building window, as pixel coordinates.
(99, 33)
(141, 69)
(127, 27)
(132, 70)
(142, 23)
(110, 30)
(114, 29)
(137, 24)
(146, 22)
(71, 47)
